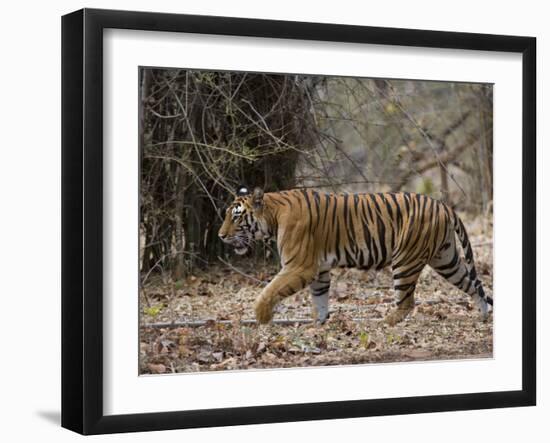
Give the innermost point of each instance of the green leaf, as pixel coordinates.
(364, 338)
(153, 311)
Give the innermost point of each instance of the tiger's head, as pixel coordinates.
(245, 220)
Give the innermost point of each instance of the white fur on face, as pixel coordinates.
(237, 210)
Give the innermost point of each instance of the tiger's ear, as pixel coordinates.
(258, 198)
(242, 190)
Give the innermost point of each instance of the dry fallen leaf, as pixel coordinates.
(157, 368)
(226, 364)
(418, 353)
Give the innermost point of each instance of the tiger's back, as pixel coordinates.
(360, 230)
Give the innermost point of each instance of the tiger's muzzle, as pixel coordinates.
(239, 244)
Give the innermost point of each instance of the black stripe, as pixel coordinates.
(321, 278)
(286, 199)
(350, 259)
(465, 275)
(304, 192)
(361, 259)
(468, 254)
(327, 205)
(467, 290)
(388, 206)
(317, 201)
(372, 247)
(405, 298)
(334, 210)
(290, 260)
(381, 233)
(366, 233)
(336, 242)
(409, 272)
(448, 275)
(403, 287)
(406, 199)
(390, 215)
(346, 213)
(449, 265)
(348, 218)
(320, 291)
(398, 214)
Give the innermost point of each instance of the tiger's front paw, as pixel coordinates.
(263, 309)
(396, 316)
(319, 317)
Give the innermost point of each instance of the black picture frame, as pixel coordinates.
(82, 215)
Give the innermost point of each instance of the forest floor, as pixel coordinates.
(208, 309)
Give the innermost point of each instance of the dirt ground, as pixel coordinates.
(209, 310)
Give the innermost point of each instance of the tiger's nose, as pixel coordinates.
(224, 238)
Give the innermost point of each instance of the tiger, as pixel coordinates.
(316, 231)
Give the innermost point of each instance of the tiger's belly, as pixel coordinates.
(361, 258)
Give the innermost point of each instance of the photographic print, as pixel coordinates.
(291, 221)
(237, 218)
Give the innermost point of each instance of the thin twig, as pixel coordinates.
(483, 243)
(156, 114)
(199, 323)
(276, 321)
(204, 145)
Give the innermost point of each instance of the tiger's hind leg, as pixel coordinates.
(319, 295)
(404, 283)
(451, 266)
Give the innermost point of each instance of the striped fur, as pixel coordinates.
(318, 231)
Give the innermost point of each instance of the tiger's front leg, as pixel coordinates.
(319, 296)
(285, 283)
